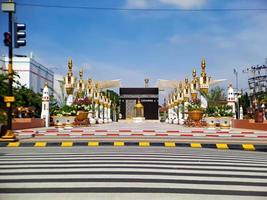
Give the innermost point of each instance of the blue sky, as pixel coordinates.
(132, 46)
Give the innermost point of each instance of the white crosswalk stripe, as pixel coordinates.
(120, 171)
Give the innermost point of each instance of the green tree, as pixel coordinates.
(215, 96)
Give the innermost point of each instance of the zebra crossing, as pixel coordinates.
(131, 173)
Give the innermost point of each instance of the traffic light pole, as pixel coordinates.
(9, 99)
(10, 70)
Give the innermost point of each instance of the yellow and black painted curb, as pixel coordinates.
(249, 147)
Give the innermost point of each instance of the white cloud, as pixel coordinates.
(183, 3)
(186, 4)
(136, 3)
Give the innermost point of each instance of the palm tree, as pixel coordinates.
(215, 97)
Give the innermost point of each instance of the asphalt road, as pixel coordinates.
(115, 173)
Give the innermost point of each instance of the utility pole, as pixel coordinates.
(10, 8)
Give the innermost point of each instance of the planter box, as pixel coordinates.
(25, 123)
(225, 122)
(211, 122)
(249, 124)
(63, 119)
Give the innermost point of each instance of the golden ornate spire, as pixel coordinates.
(194, 74)
(81, 74)
(203, 64)
(186, 80)
(181, 85)
(90, 81)
(70, 67)
(96, 85)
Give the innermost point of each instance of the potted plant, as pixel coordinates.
(64, 115)
(212, 116)
(82, 106)
(225, 113)
(195, 112)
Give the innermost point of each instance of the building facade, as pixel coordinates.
(31, 73)
(148, 97)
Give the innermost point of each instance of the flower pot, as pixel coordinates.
(225, 122)
(211, 122)
(61, 120)
(195, 115)
(81, 115)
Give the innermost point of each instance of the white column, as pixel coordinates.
(175, 117)
(185, 110)
(70, 100)
(105, 114)
(109, 113)
(169, 115)
(241, 112)
(181, 119)
(96, 111)
(204, 103)
(100, 120)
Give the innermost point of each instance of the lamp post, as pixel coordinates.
(10, 8)
(236, 78)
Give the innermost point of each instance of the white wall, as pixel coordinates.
(31, 73)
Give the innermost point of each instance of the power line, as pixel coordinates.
(146, 9)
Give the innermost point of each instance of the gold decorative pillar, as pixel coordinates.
(69, 81)
(80, 86)
(204, 81)
(194, 86)
(186, 97)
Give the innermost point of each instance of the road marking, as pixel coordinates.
(40, 144)
(222, 146)
(169, 144)
(118, 144)
(195, 145)
(144, 144)
(93, 144)
(13, 144)
(66, 144)
(249, 147)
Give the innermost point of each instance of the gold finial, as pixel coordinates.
(96, 85)
(194, 73)
(90, 81)
(203, 64)
(81, 74)
(186, 80)
(181, 85)
(70, 64)
(46, 84)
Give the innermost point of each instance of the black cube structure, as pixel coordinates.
(149, 97)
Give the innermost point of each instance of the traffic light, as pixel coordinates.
(7, 39)
(20, 35)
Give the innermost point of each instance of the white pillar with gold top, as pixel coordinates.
(69, 81)
(180, 99)
(105, 109)
(175, 108)
(45, 105)
(109, 111)
(194, 86)
(204, 82)
(101, 110)
(186, 97)
(96, 105)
